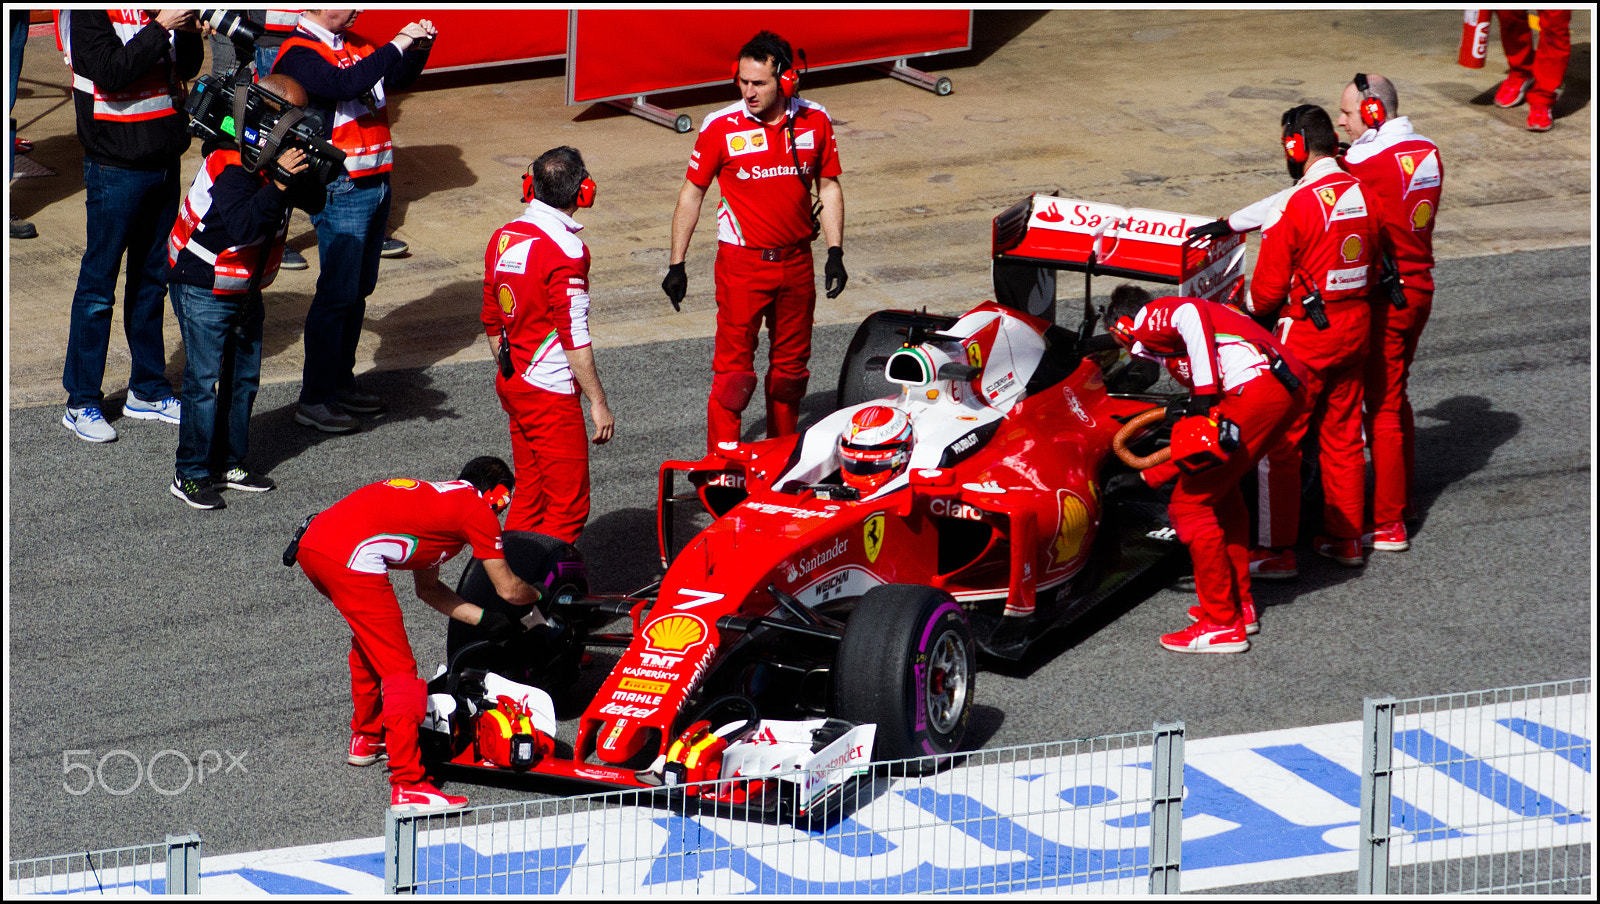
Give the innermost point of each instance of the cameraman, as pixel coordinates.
(347, 78)
(225, 248)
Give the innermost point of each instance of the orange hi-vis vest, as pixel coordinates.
(360, 130)
(231, 264)
(150, 96)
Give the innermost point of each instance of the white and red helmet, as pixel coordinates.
(875, 447)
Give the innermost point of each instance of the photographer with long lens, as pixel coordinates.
(226, 247)
(347, 79)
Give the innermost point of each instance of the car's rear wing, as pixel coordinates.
(1044, 233)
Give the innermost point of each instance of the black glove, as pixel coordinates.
(1202, 404)
(1215, 229)
(550, 633)
(1344, 147)
(497, 625)
(833, 275)
(675, 285)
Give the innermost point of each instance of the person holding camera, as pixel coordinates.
(224, 249)
(346, 78)
(347, 552)
(128, 75)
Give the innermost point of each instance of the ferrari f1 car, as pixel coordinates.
(815, 626)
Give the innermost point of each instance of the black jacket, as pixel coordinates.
(100, 56)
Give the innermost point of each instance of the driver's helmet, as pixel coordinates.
(875, 447)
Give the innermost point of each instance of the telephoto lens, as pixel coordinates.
(230, 23)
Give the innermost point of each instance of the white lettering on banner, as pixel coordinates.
(840, 584)
(634, 671)
(1352, 278)
(727, 479)
(631, 697)
(772, 508)
(1087, 217)
(1076, 407)
(659, 661)
(804, 567)
(697, 598)
(632, 712)
(949, 508)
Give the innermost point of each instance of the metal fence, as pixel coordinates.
(1097, 816)
(1485, 792)
(172, 868)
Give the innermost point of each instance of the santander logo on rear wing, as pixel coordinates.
(1134, 242)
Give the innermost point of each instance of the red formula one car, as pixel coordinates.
(810, 625)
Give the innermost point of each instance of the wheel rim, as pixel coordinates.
(945, 694)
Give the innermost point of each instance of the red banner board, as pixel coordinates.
(471, 38)
(615, 53)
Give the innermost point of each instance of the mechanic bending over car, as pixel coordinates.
(536, 312)
(348, 549)
(1246, 390)
(780, 147)
(1319, 246)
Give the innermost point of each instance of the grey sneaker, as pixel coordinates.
(328, 418)
(198, 492)
(355, 401)
(393, 247)
(89, 424)
(166, 411)
(241, 479)
(293, 260)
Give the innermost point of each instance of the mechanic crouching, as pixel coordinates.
(348, 550)
(1245, 391)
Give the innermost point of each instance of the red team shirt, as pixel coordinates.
(405, 524)
(764, 204)
(536, 287)
(1209, 347)
(1322, 239)
(1403, 176)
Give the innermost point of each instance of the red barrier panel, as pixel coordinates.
(470, 38)
(616, 54)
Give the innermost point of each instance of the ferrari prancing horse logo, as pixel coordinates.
(872, 537)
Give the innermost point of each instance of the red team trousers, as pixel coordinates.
(1548, 65)
(750, 292)
(1208, 510)
(550, 453)
(1389, 423)
(1336, 361)
(390, 700)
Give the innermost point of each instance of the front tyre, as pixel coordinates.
(907, 663)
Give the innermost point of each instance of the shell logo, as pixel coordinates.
(1351, 249)
(675, 633)
(507, 300)
(1074, 526)
(737, 143)
(403, 483)
(1421, 215)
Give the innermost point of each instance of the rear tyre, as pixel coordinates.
(557, 569)
(880, 334)
(907, 663)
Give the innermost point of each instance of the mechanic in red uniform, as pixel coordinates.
(1403, 176)
(1534, 73)
(767, 151)
(536, 311)
(1239, 373)
(411, 525)
(1320, 240)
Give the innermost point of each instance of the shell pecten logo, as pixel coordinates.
(675, 633)
(403, 483)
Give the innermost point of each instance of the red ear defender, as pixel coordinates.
(1123, 331)
(1294, 147)
(586, 192)
(789, 83)
(527, 187)
(1372, 112)
(498, 498)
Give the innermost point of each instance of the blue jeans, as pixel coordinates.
(130, 212)
(349, 239)
(218, 331)
(19, 43)
(265, 57)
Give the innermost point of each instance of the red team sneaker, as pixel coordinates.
(1512, 91)
(1539, 119)
(1345, 552)
(1205, 636)
(1269, 564)
(423, 798)
(365, 750)
(1251, 624)
(1390, 537)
